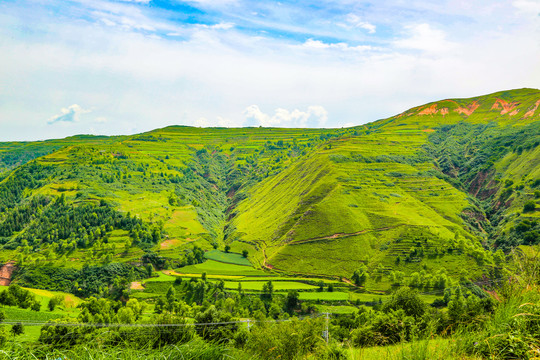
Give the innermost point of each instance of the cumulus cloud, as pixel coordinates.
(314, 116)
(70, 114)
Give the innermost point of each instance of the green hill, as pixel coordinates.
(439, 186)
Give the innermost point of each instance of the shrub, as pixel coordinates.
(286, 340)
(529, 206)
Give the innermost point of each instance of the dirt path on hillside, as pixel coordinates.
(341, 235)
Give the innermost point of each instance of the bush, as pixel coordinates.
(286, 340)
(529, 206)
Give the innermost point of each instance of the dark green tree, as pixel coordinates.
(407, 300)
(17, 329)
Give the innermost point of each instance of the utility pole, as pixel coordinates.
(326, 332)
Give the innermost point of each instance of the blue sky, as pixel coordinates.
(121, 67)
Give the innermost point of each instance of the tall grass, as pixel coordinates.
(193, 350)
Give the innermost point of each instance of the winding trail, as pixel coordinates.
(341, 235)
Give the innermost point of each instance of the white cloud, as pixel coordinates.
(425, 38)
(319, 45)
(202, 122)
(218, 26)
(530, 7)
(100, 119)
(354, 21)
(70, 114)
(314, 116)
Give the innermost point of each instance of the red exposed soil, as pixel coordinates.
(430, 110)
(532, 110)
(428, 130)
(5, 273)
(469, 109)
(477, 186)
(505, 106)
(266, 265)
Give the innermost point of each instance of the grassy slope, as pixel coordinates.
(327, 212)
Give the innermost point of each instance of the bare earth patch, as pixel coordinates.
(430, 110)
(469, 109)
(532, 110)
(5, 273)
(136, 285)
(504, 106)
(169, 244)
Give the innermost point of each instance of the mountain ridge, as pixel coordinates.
(422, 189)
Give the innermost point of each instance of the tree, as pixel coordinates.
(36, 306)
(171, 295)
(17, 329)
(267, 290)
(55, 301)
(407, 300)
(360, 276)
(330, 287)
(529, 206)
(227, 248)
(245, 253)
(291, 302)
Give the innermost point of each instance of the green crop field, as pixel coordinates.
(329, 296)
(212, 267)
(230, 258)
(278, 285)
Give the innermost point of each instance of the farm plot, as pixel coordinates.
(278, 285)
(212, 267)
(230, 258)
(328, 296)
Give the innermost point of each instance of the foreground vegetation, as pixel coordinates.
(500, 323)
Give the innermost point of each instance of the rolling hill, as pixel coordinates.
(439, 186)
